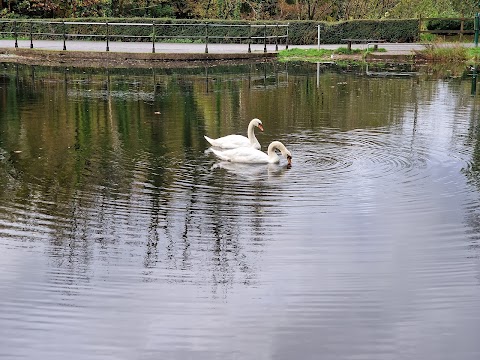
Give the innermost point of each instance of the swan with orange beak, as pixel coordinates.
(235, 141)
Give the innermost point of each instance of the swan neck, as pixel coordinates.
(251, 133)
(271, 149)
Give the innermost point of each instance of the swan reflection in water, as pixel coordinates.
(252, 171)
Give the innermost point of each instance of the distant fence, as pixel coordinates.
(446, 26)
(146, 32)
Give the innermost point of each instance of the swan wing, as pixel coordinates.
(220, 154)
(229, 141)
(246, 155)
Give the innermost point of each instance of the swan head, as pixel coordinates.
(279, 146)
(286, 153)
(258, 123)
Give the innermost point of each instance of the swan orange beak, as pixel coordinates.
(260, 127)
(289, 159)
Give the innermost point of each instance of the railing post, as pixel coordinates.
(286, 44)
(265, 38)
(419, 26)
(476, 29)
(31, 36)
(318, 37)
(15, 33)
(153, 37)
(108, 48)
(461, 28)
(276, 39)
(250, 39)
(64, 36)
(473, 90)
(206, 38)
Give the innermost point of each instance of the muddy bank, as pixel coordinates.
(126, 60)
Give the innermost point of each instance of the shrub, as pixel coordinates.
(300, 32)
(445, 54)
(449, 24)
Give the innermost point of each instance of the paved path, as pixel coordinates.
(176, 48)
(138, 47)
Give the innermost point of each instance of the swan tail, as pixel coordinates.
(211, 141)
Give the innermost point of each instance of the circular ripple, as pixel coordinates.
(331, 165)
(371, 154)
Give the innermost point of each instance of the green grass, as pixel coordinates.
(453, 54)
(427, 37)
(345, 51)
(370, 50)
(318, 55)
(312, 54)
(474, 54)
(304, 54)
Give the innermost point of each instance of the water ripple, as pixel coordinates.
(121, 238)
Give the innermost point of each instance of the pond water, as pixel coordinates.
(121, 237)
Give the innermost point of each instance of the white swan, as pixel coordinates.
(250, 155)
(236, 141)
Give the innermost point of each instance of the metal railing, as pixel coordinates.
(153, 32)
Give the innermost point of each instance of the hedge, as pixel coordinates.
(305, 32)
(449, 24)
(300, 32)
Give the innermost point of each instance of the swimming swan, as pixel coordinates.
(250, 155)
(236, 141)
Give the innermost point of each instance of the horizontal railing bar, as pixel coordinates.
(130, 36)
(158, 35)
(140, 24)
(130, 24)
(27, 33)
(180, 36)
(448, 31)
(85, 35)
(267, 37)
(229, 37)
(83, 23)
(228, 25)
(183, 24)
(446, 18)
(279, 25)
(19, 21)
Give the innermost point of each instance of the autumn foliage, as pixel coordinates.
(324, 10)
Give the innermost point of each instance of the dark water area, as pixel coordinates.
(122, 238)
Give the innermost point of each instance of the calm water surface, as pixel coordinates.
(121, 238)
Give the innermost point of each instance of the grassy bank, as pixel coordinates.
(321, 55)
(455, 54)
(433, 53)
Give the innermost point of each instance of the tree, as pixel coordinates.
(466, 8)
(425, 8)
(331, 10)
(38, 8)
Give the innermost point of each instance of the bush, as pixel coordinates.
(450, 24)
(300, 32)
(305, 32)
